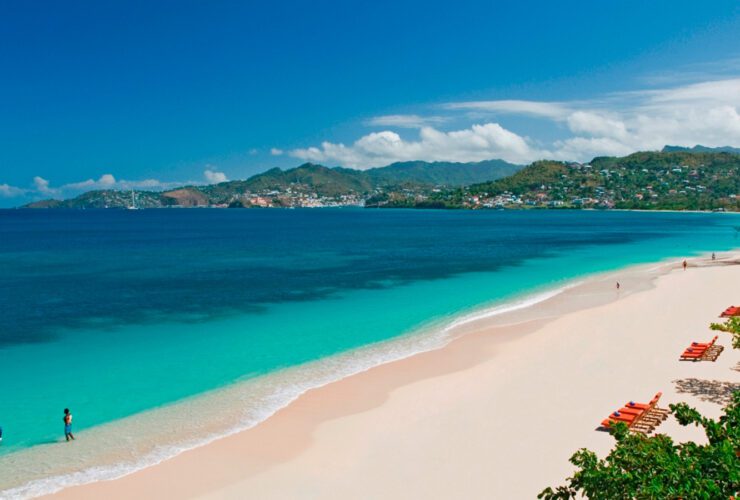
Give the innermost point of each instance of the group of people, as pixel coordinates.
(67, 426)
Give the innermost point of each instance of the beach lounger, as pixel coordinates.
(653, 402)
(712, 353)
(705, 344)
(730, 311)
(708, 351)
(692, 353)
(651, 411)
(639, 417)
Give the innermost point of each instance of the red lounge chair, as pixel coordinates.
(696, 350)
(705, 344)
(693, 353)
(640, 417)
(645, 406)
(618, 416)
(730, 311)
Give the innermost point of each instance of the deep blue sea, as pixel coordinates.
(113, 313)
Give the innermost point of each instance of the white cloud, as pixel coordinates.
(106, 181)
(276, 151)
(479, 142)
(553, 110)
(42, 186)
(404, 121)
(8, 191)
(214, 177)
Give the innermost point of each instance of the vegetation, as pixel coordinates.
(665, 181)
(732, 326)
(700, 149)
(641, 467)
(441, 173)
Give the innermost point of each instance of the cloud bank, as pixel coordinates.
(479, 142)
(42, 188)
(8, 191)
(614, 124)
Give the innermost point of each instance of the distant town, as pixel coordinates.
(666, 180)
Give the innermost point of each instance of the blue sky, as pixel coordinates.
(151, 94)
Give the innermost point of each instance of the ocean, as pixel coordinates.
(163, 329)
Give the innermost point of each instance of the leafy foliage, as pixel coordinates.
(732, 326)
(655, 467)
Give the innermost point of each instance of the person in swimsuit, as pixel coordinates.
(68, 425)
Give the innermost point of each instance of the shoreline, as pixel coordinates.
(510, 328)
(428, 337)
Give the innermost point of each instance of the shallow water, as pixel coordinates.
(115, 313)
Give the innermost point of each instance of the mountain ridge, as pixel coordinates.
(654, 180)
(308, 177)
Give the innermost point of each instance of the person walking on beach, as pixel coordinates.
(685, 265)
(714, 257)
(68, 425)
(618, 285)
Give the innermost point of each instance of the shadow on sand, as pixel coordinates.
(714, 391)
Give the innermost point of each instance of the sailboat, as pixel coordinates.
(133, 201)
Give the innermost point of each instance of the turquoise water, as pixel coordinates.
(112, 313)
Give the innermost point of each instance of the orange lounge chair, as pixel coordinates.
(617, 416)
(730, 311)
(705, 344)
(696, 350)
(645, 406)
(646, 411)
(693, 353)
(640, 422)
(639, 417)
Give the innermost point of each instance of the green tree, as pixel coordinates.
(732, 326)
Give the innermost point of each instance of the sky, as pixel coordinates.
(150, 95)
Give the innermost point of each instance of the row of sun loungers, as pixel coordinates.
(645, 417)
(708, 351)
(639, 417)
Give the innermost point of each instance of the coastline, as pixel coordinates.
(284, 451)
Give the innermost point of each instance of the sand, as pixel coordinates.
(495, 414)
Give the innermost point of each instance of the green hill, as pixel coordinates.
(648, 180)
(442, 173)
(104, 199)
(700, 149)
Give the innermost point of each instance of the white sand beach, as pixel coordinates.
(494, 414)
